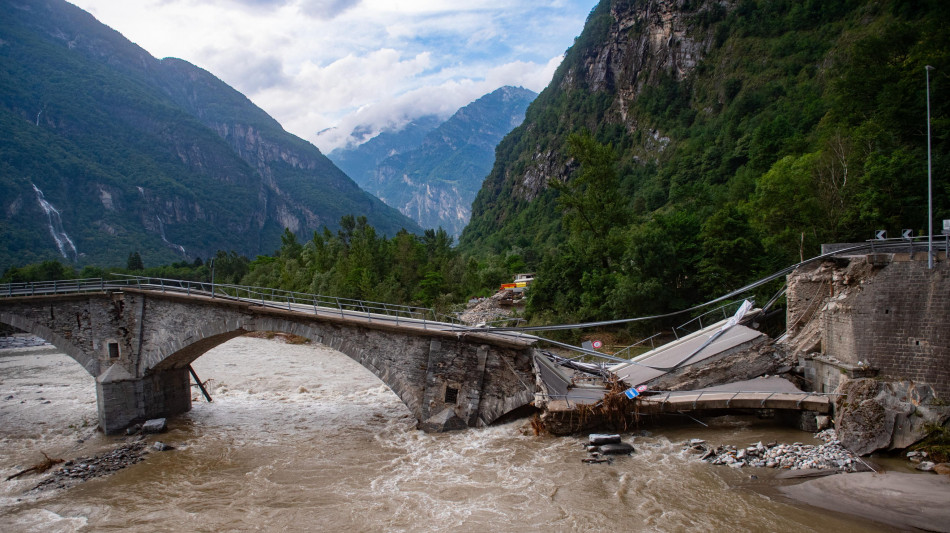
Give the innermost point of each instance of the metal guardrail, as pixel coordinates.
(682, 326)
(902, 244)
(268, 297)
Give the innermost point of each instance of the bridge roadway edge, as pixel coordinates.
(157, 335)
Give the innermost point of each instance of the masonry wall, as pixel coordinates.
(888, 312)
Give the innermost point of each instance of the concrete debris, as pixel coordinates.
(600, 445)
(596, 439)
(829, 456)
(617, 448)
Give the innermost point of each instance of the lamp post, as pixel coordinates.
(930, 217)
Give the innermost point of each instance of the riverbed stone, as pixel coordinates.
(155, 425)
(942, 469)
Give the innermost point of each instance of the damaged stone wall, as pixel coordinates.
(886, 312)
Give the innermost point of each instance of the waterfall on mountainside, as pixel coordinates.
(63, 242)
(161, 230)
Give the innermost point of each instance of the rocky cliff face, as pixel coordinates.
(627, 48)
(643, 44)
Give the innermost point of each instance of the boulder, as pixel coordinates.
(155, 425)
(942, 468)
(160, 446)
(874, 415)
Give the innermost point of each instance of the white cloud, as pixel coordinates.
(336, 64)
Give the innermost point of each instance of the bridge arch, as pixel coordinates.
(181, 352)
(88, 361)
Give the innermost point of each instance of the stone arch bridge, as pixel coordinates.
(139, 340)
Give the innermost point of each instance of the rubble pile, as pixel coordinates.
(830, 455)
(486, 310)
(85, 468)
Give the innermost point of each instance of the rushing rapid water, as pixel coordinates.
(302, 438)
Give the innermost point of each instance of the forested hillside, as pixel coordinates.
(107, 150)
(684, 148)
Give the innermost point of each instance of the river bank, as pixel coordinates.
(299, 435)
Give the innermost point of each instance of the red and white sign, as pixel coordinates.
(597, 344)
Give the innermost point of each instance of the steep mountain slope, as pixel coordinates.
(360, 161)
(119, 151)
(683, 148)
(435, 183)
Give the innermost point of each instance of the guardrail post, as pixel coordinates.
(730, 399)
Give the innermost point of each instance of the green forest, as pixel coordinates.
(805, 124)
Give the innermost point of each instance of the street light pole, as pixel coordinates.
(930, 217)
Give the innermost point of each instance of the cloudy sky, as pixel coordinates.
(324, 67)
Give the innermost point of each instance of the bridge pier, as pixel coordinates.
(123, 399)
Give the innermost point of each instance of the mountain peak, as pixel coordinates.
(433, 178)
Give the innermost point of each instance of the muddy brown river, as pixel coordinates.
(301, 438)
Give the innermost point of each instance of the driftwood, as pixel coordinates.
(38, 468)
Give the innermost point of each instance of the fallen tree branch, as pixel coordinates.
(38, 468)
